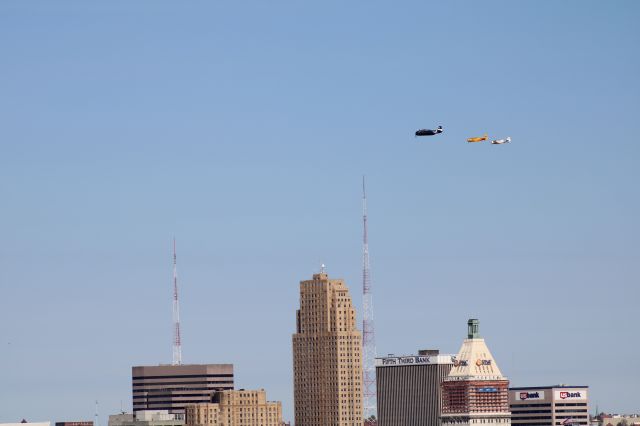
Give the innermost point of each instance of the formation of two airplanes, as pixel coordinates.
(429, 132)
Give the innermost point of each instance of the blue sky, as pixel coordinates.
(244, 128)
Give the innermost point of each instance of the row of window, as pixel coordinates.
(569, 404)
(205, 382)
(513, 406)
(180, 376)
(180, 395)
(532, 418)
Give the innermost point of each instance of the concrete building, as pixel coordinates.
(121, 419)
(147, 418)
(235, 408)
(549, 405)
(172, 387)
(327, 356)
(475, 393)
(409, 392)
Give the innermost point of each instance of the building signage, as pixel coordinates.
(484, 390)
(480, 362)
(528, 395)
(460, 363)
(406, 360)
(570, 394)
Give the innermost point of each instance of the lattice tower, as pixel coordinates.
(368, 330)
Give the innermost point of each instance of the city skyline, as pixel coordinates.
(245, 132)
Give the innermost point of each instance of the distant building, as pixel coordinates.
(172, 387)
(147, 418)
(121, 419)
(620, 420)
(408, 390)
(549, 405)
(81, 423)
(26, 423)
(475, 393)
(235, 408)
(327, 356)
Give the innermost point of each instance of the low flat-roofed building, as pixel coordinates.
(79, 423)
(549, 405)
(620, 420)
(147, 418)
(121, 419)
(235, 408)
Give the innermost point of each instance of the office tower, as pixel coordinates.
(235, 408)
(409, 391)
(549, 405)
(171, 387)
(475, 392)
(327, 358)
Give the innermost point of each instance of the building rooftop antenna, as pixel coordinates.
(368, 329)
(177, 342)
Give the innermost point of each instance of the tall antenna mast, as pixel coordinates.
(368, 330)
(177, 343)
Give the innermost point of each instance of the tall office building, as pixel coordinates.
(549, 405)
(409, 391)
(475, 392)
(172, 387)
(327, 358)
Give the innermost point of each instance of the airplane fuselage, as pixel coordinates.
(428, 132)
(501, 141)
(479, 138)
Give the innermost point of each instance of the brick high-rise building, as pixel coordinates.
(475, 393)
(327, 356)
(235, 408)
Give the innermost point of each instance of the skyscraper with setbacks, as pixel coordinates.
(327, 357)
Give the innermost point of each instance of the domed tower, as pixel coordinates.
(475, 393)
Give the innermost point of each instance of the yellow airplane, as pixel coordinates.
(478, 139)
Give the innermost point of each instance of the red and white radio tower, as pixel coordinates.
(368, 330)
(177, 344)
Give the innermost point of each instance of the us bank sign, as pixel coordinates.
(569, 394)
(523, 395)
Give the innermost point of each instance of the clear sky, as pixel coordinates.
(244, 128)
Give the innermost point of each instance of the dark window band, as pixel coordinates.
(181, 376)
